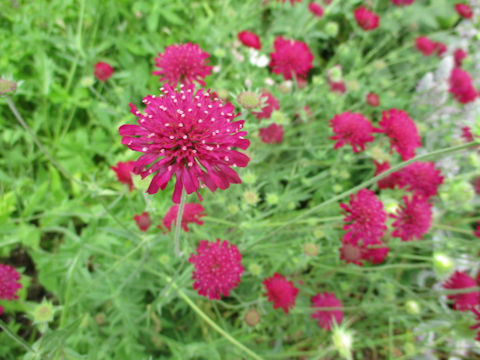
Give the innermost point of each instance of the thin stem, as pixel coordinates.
(15, 337)
(178, 223)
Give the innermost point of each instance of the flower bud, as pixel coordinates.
(412, 307)
(43, 312)
(7, 87)
(249, 100)
(272, 199)
(249, 178)
(252, 317)
(342, 341)
(255, 269)
(251, 197)
(442, 264)
(310, 249)
(331, 28)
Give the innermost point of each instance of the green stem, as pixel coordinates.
(15, 337)
(178, 223)
(453, 229)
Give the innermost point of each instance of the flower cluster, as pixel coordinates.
(326, 318)
(466, 300)
(9, 283)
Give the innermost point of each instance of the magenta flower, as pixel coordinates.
(249, 39)
(388, 182)
(326, 318)
(191, 214)
(355, 250)
(476, 326)
(188, 135)
(402, 2)
(477, 234)
(184, 64)
(291, 57)
(143, 221)
(373, 99)
(462, 301)
(351, 129)
(271, 105)
(464, 10)
(315, 9)
(218, 268)
(421, 178)
(461, 86)
(459, 55)
(124, 170)
(9, 283)
(103, 71)
(281, 292)
(272, 134)
(425, 45)
(366, 19)
(413, 220)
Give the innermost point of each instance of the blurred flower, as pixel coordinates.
(477, 230)
(310, 249)
(425, 45)
(124, 171)
(477, 326)
(326, 318)
(248, 99)
(218, 268)
(7, 87)
(373, 99)
(291, 57)
(251, 197)
(464, 10)
(258, 59)
(184, 64)
(272, 134)
(421, 178)
(440, 48)
(143, 221)
(459, 56)
(187, 134)
(315, 9)
(9, 283)
(191, 214)
(281, 292)
(462, 301)
(366, 19)
(249, 39)
(388, 182)
(461, 86)
(442, 264)
(413, 220)
(271, 104)
(356, 250)
(402, 2)
(351, 129)
(103, 71)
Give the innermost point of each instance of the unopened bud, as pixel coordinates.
(7, 86)
(310, 249)
(43, 312)
(343, 341)
(252, 317)
(249, 100)
(442, 264)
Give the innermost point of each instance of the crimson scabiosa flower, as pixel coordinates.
(402, 2)
(365, 215)
(291, 57)
(351, 129)
(459, 55)
(249, 39)
(440, 48)
(337, 86)
(373, 99)
(281, 292)
(462, 301)
(143, 221)
(413, 219)
(218, 268)
(188, 135)
(464, 10)
(9, 283)
(271, 104)
(191, 214)
(124, 171)
(402, 131)
(184, 64)
(356, 250)
(461, 86)
(272, 134)
(421, 178)
(388, 182)
(425, 45)
(366, 19)
(326, 318)
(467, 134)
(103, 71)
(315, 9)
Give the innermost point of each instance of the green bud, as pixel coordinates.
(249, 100)
(222, 93)
(285, 87)
(279, 118)
(101, 319)
(272, 199)
(412, 307)
(7, 87)
(336, 73)
(232, 209)
(353, 85)
(310, 249)
(337, 188)
(379, 64)
(43, 312)
(249, 178)
(87, 81)
(344, 174)
(342, 340)
(164, 259)
(318, 233)
(291, 205)
(219, 52)
(252, 317)
(442, 264)
(251, 197)
(255, 269)
(331, 28)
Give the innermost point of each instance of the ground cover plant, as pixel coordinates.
(223, 179)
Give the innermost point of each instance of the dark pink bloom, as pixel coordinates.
(413, 219)
(143, 221)
(326, 318)
(421, 178)
(281, 292)
(467, 134)
(103, 71)
(337, 86)
(402, 2)
(218, 268)
(355, 250)
(402, 131)
(366, 19)
(462, 301)
(124, 171)
(184, 64)
(464, 10)
(459, 55)
(315, 9)
(272, 134)
(365, 215)
(461, 86)
(351, 129)
(9, 283)
(373, 99)
(271, 105)
(188, 135)
(249, 39)
(191, 214)
(477, 234)
(291, 57)
(388, 182)
(440, 48)
(425, 45)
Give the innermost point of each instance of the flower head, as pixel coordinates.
(9, 283)
(413, 219)
(373, 99)
(464, 10)
(402, 131)
(326, 318)
(337, 86)
(188, 135)
(459, 55)
(271, 104)
(461, 86)
(103, 71)
(184, 64)
(388, 182)
(357, 250)
(191, 214)
(143, 221)
(366, 19)
(281, 292)
(476, 326)
(425, 45)
(272, 134)
(462, 301)
(467, 134)
(124, 170)
(440, 48)
(421, 178)
(315, 9)
(352, 129)
(291, 57)
(402, 2)
(249, 39)
(218, 268)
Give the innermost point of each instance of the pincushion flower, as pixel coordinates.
(189, 135)
(402, 2)
(459, 55)
(351, 129)
(425, 45)
(464, 10)
(249, 39)
(143, 221)
(388, 182)
(421, 178)
(402, 131)
(440, 48)
(271, 104)
(218, 268)
(413, 219)
(191, 214)
(315, 9)
(366, 19)
(272, 134)
(103, 71)
(281, 292)
(467, 135)
(373, 99)
(326, 318)
(291, 57)
(337, 86)
(462, 301)
(9, 283)
(124, 170)
(357, 250)
(461, 86)
(184, 64)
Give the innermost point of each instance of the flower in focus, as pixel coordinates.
(218, 268)
(143, 221)
(351, 129)
(366, 19)
(124, 171)
(464, 10)
(402, 2)
(425, 45)
(413, 220)
(291, 57)
(461, 86)
(357, 250)
(188, 135)
(281, 292)
(462, 301)
(9, 283)
(326, 318)
(373, 99)
(388, 182)
(271, 104)
(249, 39)
(459, 55)
(184, 64)
(315, 9)
(402, 131)
(421, 178)
(103, 71)
(272, 134)
(192, 213)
